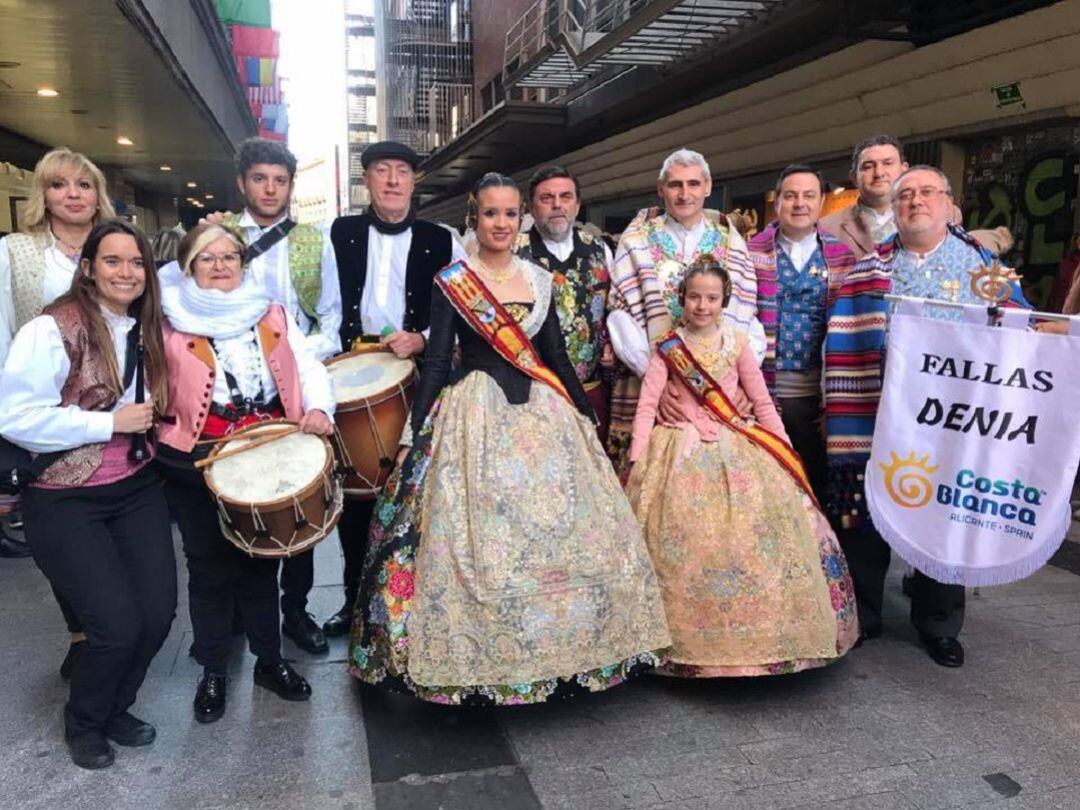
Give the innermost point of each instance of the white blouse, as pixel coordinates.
(59, 271)
(244, 358)
(34, 374)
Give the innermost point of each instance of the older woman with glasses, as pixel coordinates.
(234, 358)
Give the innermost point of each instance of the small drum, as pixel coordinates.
(278, 498)
(374, 393)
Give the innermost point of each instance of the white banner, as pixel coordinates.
(976, 447)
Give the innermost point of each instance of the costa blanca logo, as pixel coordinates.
(907, 480)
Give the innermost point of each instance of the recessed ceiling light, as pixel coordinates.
(124, 140)
(48, 92)
(191, 184)
(165, 168)
(208, 196)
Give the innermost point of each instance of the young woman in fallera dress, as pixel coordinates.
(505, 565)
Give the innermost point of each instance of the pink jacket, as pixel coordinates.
(193, 368)
(697, 421)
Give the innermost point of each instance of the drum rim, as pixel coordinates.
(385, 393)
(350, 405)
(306, 492)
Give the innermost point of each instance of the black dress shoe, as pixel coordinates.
(210, 697)
(91, 750)
(68, 664)
(865, 635)
(128, 730)
(282, 680)
(340, 623)
(944, 650)
(308, 636)
(13, 549)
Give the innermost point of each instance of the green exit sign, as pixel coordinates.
(1008, 95)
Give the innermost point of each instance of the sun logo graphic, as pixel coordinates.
(907, 479)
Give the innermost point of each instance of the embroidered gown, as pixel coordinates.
(505, 565)
(753, 579)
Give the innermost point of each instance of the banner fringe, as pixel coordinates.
(960, 575)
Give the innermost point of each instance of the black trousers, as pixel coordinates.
(107, 552)
(297, 579)
(936, 609)
(298, 573)
(221, 578)
(802, 421)
(70, 619)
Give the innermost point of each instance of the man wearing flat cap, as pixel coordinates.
(387, 261)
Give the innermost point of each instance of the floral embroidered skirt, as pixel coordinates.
(505, 565)
(753, 578)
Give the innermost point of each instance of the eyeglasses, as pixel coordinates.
(924, 193)
(209, 259)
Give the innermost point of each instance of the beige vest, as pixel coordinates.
(27, 251)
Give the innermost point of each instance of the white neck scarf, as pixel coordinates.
(213, 313)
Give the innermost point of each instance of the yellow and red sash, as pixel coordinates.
(483, 312)
(681, 362)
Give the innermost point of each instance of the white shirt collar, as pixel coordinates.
(876, 217)
(922, 257)
(115, 321)
(247, 221)
(807, 242)
(679, 230)
(560, 250)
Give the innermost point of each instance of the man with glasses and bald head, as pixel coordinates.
(928, 258)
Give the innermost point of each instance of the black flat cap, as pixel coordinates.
(389, 150)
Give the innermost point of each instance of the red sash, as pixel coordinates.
(483, 312)
(681, 362)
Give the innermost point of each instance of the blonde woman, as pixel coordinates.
(36, 266)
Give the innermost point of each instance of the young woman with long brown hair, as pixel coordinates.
(96, 519)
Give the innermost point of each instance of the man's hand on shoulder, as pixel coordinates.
(215, 217)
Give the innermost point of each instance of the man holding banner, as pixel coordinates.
(929, 258)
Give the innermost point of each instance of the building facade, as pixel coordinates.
(424, 70)
(362, 110)
(987, 90)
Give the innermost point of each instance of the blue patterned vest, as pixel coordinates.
(801, 307)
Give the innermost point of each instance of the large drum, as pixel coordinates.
(276, 497)
(374, 393)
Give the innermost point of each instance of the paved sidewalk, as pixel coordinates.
(884, 728)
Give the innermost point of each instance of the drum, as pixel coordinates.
(374, 393)
(279, 497)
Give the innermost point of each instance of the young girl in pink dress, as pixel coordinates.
(752, 577)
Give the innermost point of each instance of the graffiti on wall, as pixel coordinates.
(1027, 182)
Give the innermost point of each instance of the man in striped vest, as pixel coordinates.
(796, 264)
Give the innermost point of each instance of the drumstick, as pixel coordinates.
(236, 437)
(250, 446)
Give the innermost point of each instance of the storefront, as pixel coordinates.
(1026, 180)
